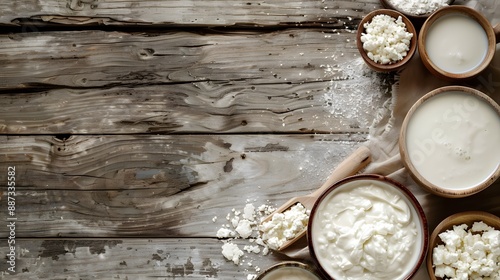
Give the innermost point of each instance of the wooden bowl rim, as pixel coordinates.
(466, 217)
(467, 11)
(422, 218)
(290, 263)
(411, 168)
(409, 28)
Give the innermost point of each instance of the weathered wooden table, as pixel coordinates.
(132, 128)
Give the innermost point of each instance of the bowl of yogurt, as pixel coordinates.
(289, 270)
(367, 227)
(449, 141)
(457, 42)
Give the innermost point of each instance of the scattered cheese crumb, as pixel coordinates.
(232, 252)
(252, 249)
(285, 226)
(468, 254)
(225, 233)
(248, 212)
(244, 228)
(386, 40)
(244, 224)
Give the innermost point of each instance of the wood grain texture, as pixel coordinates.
(201, 107)
(90, 59)
(185, 13)
(292, 81)
(159, 185)
(162, 258)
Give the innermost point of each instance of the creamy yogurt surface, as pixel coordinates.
(366, 229)
(290, 273)
(453, 140)
(456, 43)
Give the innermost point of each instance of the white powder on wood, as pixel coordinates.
(418, 7)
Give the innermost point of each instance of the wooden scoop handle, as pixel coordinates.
(350, 166)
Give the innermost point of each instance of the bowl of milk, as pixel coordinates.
(456, 42)
(367, 227)
(449, 141)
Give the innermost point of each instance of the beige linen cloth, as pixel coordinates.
(415, 81)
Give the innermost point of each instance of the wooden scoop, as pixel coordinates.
(350, 166)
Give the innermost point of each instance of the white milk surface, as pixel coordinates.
(456, 43)
(453, 140)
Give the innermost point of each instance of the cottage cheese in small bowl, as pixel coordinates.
(465, 245)
(368, 227)
(386, 40)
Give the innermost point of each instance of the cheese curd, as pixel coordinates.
(385, 39)
(285, 226)
(366, 229)
(468, 253)
(419, 7)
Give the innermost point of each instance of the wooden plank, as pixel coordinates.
(109, 186)
(176, 258)
(89, 59)
(202, 107)
(291, 81)
(186, 13)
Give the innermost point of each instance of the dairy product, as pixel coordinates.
(456, 43)
(468, 253)
(285, 226)
(366, 229)
(232, 252)
(385, 39)
(244, 225)
(452, 140)
(289, 273)
(419, 7)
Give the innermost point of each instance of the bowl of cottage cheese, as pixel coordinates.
(386, 40)
(367, 227)
(465, 245)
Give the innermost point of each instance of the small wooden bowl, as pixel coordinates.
(464, 10)
(405, 155)
(467, 218)
(417, 20)
(300, 267)
(393, 66)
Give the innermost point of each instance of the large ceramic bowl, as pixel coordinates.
(367, 227)
(449, 141)
(457, 219)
